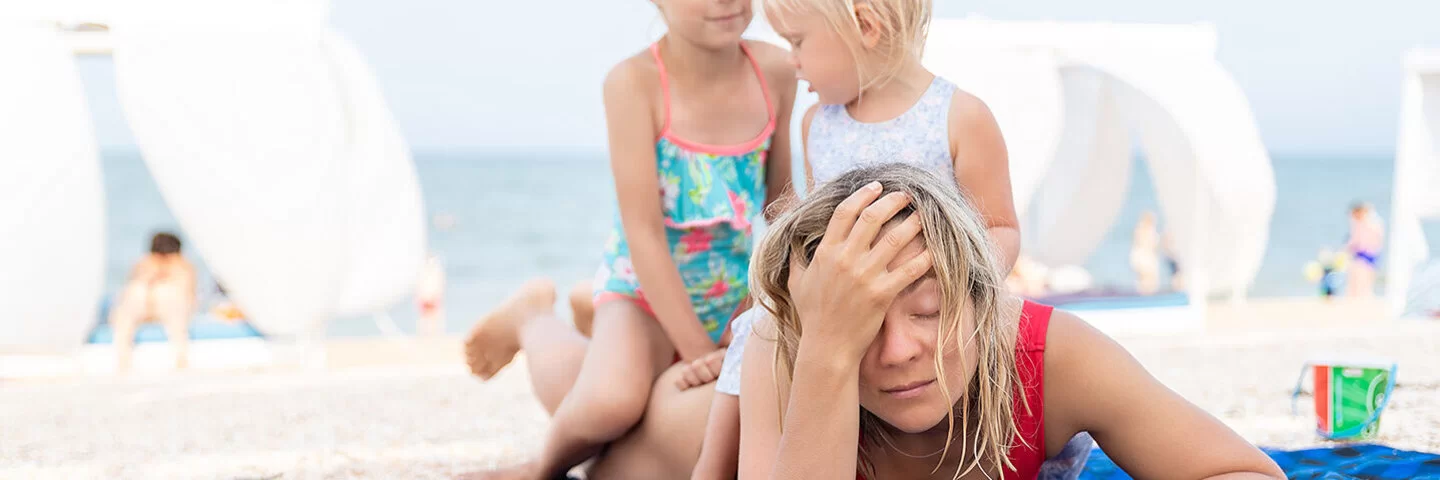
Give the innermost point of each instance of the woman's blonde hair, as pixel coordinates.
(965, 270)
(903, 26)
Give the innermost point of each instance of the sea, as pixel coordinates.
(498, 218)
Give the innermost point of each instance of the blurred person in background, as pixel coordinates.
(161, 288)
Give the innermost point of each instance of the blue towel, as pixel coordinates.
(202, 328)
(1114, 300)
(1369, 462)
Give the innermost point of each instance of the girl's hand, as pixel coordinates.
(702, 370)
(842, 295)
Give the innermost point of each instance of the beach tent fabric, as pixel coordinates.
(1084, 188)
(1212, 175)
(1074, 99)
(1022, 88)
(1423, 298)
(384, 213)
(1367, 461)
(1211, 172)
(1417, 173)
(51, 197)
(274, 150)
(238, 129)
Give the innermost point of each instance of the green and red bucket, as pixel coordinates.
(1350, 395)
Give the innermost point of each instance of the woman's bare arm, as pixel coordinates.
(1092, 384)
(820, 437)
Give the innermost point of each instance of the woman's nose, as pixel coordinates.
(898, 342)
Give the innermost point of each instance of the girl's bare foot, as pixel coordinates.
(496, 337)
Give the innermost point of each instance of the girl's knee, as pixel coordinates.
(609, 414)
(626, 403)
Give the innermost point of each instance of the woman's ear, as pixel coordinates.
(867, 20)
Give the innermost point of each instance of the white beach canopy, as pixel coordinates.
(383, 208)
(1416, 195)
(237, 121)
(268, 138)
(1073, 98)
(271, 143)
(52, 205)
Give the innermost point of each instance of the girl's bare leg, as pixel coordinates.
(594, 400)
(666, 444)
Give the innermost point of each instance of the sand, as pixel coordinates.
(408, 409)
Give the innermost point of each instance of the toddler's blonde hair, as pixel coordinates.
(903, 27)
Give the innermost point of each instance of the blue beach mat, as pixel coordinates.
(1367, 462)
(203, 326)
(1114, 300)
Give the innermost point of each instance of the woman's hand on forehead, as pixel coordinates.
(842, 295)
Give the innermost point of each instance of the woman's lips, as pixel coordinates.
(909, 390)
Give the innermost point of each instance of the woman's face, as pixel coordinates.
(898, 379)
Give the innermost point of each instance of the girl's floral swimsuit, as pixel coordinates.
(709, 194)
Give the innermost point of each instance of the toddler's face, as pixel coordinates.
(820, 56)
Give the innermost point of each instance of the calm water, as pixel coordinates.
(527, 214)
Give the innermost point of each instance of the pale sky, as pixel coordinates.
(1323, 76)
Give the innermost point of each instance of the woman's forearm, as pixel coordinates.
(822, 419)
(1245, 476)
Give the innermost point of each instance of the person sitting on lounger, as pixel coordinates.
(161, 288)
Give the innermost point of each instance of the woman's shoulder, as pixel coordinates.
(1064, 328)
(1072, 345)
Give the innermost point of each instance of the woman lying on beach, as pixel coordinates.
(881, 287)
(867, 287)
